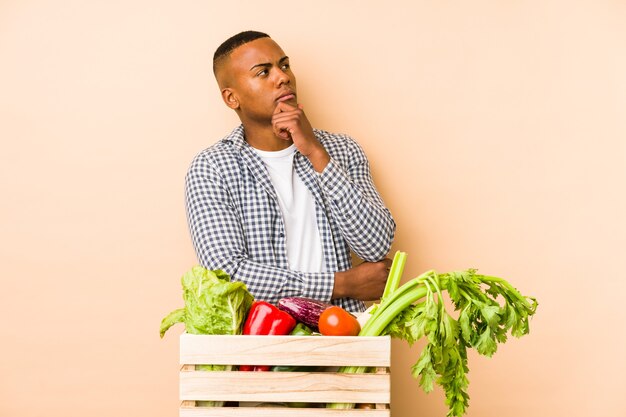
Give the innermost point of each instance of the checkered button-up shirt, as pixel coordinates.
(237, 226)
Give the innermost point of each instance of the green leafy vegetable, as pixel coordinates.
(395, 274)
(213, 305)
(416, 310)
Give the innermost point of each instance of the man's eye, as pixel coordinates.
(262, 72)
(285, 66)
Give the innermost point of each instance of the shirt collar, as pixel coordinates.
(237, 138)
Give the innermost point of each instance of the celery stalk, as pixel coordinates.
(382, 316)
(395, 274)
(416, 309)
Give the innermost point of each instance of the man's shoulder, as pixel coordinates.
(337, 142)
(222, 152)
(325, 136)
(222, 149)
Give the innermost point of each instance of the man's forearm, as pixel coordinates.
(269, 283)
(319, 159)
(365, 222)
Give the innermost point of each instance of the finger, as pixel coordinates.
(297, 114)
(282, 107)
(278, 108)
(283, 114)
(282, 121)
(286, 110)
(283, 129)
(284, 133)
(286, 119)
(292, 123)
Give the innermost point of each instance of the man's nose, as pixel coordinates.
(281, 77)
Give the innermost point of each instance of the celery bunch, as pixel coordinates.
(416, 310)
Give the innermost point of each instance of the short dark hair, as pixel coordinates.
(233, 43)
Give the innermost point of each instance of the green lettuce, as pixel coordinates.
(213, 305)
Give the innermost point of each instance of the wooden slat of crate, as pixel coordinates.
(323, 387)
(320, 387)
(278, 412)
(285, 350)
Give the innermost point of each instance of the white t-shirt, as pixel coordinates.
(304, 244)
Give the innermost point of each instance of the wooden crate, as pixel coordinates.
(309, 387)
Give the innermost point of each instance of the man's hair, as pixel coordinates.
(233, 43)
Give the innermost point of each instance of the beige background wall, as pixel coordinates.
(496, 132)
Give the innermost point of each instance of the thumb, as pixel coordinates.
(279, 108)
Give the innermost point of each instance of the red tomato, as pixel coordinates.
(335, 321)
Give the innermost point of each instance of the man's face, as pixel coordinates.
(257, 77)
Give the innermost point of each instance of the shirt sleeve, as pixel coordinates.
(365, 223)
(219, 241)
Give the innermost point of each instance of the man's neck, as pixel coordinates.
(263, 138)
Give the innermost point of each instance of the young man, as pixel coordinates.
(280, 205)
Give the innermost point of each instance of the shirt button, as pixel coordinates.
(281, 234)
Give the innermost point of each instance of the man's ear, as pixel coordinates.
(229, 97)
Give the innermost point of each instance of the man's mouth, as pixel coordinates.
(285, 97)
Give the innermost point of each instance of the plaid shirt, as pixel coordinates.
(236, 224)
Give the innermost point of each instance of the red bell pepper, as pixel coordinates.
(266, 319)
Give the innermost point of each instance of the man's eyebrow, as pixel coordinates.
(267, 64)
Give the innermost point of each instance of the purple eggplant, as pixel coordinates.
(305, 310)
